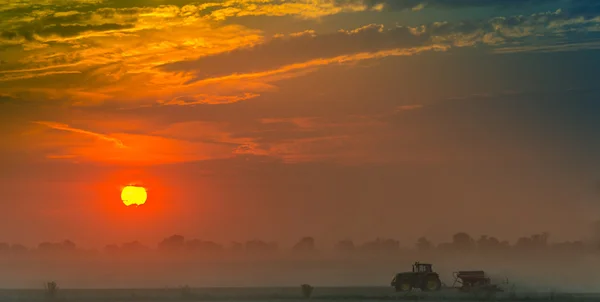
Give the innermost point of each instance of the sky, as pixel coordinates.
(273, 120)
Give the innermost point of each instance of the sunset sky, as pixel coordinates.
(274, 119)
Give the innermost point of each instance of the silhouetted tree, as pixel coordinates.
(203, 246)
(133, 246)
(344, 246)
(487, 244)
(51, 290)
(305, 244)
(533, 242)
(445, 247)
(381, 245)
(463, 241)
(423, 244)
(175, 242)
(237, 247)
(111, 248)
(18, 248)
(66, 245)
(307, 290)
(259, 246)
(4, 247)
(569, 246)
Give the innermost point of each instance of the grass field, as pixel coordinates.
(364, 294)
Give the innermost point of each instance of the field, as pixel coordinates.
(363, 294)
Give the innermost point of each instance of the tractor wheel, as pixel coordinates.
(432, 283)
(403, 286)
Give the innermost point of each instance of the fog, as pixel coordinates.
(531, 264)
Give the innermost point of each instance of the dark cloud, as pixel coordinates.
(586, 8)
(396, 5)
(69, 25)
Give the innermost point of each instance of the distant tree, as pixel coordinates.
(237, 247)
(66, 245)
(463, 241)
(175, 242)
(487, 244)
(51, 290)
(18, 248)
(111, 248)
(305, 244)
(259, 246)
(345, 246)
(540, 240)
(533, 242)
(4, 247)
(423, 244)
(46, 246)
(524, 243)
(381, 245)
(203, 246)
(569, 246)
(445, 246)
(133, 246)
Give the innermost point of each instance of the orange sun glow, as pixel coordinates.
(132, 195)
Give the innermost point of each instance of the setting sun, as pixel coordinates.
(132, 195)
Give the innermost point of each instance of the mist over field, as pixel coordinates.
(531, 264)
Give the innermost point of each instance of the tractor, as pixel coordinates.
(422, 276)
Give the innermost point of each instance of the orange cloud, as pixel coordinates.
(272, 75)
(65, 127)
(408, 107)
(208, 99)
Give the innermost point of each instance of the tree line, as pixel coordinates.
(460, 241)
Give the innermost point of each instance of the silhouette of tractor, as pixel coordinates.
(422, 276)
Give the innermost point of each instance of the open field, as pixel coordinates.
(280, 294)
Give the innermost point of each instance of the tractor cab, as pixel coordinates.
(422, 268)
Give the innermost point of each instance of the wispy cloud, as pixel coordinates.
(408, 107)
(343, 59)
(202, 99)
(200, 61)
(170, 59)
(65, 127)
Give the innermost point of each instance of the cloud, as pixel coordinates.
(147, 148)
(207, 99)
(123, 53)
(295, 48)
(170, 60)
(408, 107)
(65, 127)
(399, 5)
(308, 66)
(531, 32)
(99, 65)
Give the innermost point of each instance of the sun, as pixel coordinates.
(133, 195)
